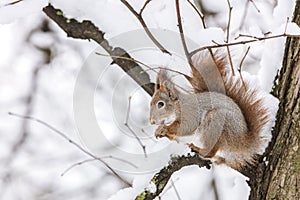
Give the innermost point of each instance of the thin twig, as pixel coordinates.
(76, 164)
(241, 42)
(244, 14)
(129, 59)
(167, 69)
(286, 25)
(230, 60)
(202, 18)
(215, 190)
(144, 6)
(241, 65)
(227, 36)
(182, 34)
(175, 189)
(243, 59)
(126, 123)
(229, 21)
(169, 187)
(246, 36)
(13, 3)
(215, 42)
(148, 137)
(255, 6)
(92, 159)
(143, 23)
(199, 13)
(63, 135)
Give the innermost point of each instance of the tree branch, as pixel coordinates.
(144, 25)
(161, 178)
(87, 30)
(256, 39)
(186, 51)
(63, 135)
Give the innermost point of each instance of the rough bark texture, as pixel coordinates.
(281, 178)
(161, 178)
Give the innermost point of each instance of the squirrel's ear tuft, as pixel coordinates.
(170, 89)
(162, 76)
(165, 84)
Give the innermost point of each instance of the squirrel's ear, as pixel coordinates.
(161, 78)
(170, 89)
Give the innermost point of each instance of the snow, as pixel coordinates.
(46, 156)
(10, 13)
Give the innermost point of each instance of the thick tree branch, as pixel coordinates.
(162, 177)
(87, 30)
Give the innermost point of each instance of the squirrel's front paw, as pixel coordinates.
(161, 131)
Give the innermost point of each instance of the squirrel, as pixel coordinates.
(225, 115)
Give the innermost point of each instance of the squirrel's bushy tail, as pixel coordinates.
(217, 76)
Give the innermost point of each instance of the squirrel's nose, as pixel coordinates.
(152, 121)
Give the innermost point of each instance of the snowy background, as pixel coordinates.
(39, 66)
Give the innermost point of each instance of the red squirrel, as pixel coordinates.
(225, 115)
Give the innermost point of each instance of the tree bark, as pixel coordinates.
(280, 179)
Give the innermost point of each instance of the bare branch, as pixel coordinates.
(131, 130)
(144, 6)
(286, 25)
(14, 2)
(215, 190)
(229, 21)
(199, 13)
(92, 159)
(244, 14)
(161, 178)
(246, 36)
(175, 189)
(168, 188)
(63, 135)
(227, 36)
(241, 42)
(143, 23)
(241, 65)
(87, 30)
(148, 136)
(182, 34)
(255, 6)
(129, 59)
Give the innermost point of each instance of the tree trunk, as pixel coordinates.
(281, 178)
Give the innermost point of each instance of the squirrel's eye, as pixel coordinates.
(160, 104)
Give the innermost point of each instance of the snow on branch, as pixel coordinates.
(87, 30)
(161, 178)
